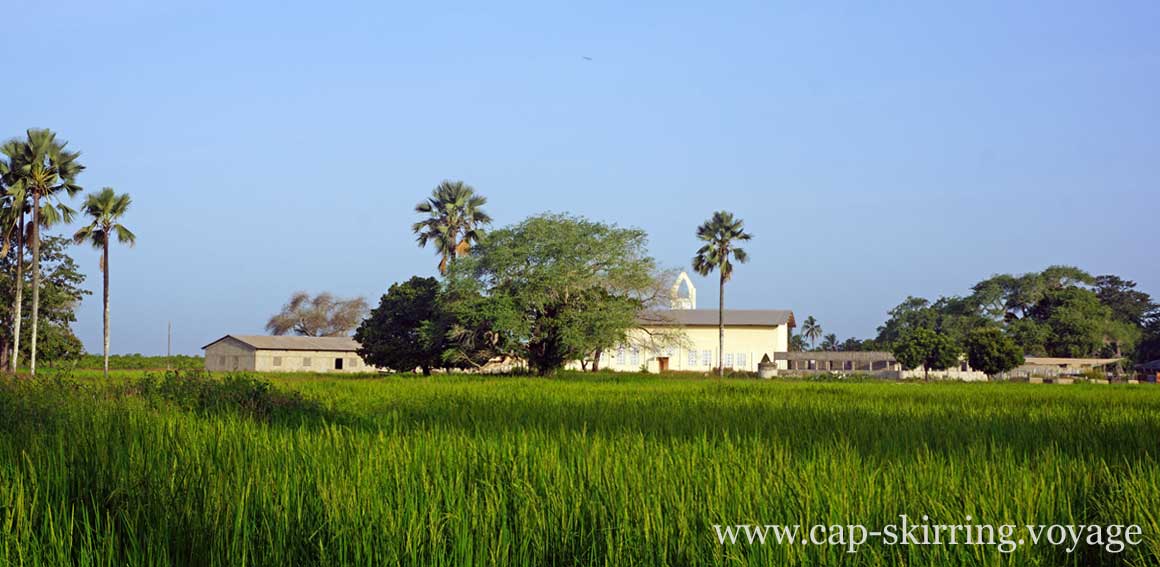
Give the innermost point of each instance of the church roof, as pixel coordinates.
(708, 317)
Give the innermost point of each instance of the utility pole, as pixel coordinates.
(169, 346)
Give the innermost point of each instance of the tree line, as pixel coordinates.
(38, 174)
(1062, 311)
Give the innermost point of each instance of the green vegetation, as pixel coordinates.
(60, 293)
(992, 352)
(587, 469)
(549, 290)
(925, 348)
(406, 331)
(1061, 311)
(455, 221)
(139, 362)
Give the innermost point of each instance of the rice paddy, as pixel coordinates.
(577, 470)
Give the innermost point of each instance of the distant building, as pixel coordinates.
(685, 338)
(258, 353)
(878, 363)
(1053, 367)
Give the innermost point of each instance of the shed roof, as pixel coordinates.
(708, 317)
(1067, 362)
(263, 342)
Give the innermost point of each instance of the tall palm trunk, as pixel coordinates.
(721, 329)
(105, 297)
(35, 280)
(18, 303)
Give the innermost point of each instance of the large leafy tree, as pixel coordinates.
(1006, 297)
(551, 289)
(1126, 302)
(1080, 325)
(61, 293)
(721, 235)
(454, 222)
(105, 209)
(926, 348)
(408, 328)
(953, 317)
(323, 315)
(45, 171)
(992, 351)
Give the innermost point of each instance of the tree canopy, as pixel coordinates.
(61, 293)
(991, 351)
(406, 331)
(1061, 311)
(551, 289)
(926, 348)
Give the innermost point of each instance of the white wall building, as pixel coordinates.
(684, 338)
(258, 353)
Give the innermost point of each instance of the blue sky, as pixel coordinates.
(875, 150)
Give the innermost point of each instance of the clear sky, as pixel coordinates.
(875, 150)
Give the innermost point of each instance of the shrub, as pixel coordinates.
(241, 393)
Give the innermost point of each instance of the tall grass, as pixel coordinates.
(618, 470)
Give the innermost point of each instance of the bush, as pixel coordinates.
(199, 392)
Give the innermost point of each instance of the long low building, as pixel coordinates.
(878, 363)
(258, 353)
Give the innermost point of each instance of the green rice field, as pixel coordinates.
(576, 470)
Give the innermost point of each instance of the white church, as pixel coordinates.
(684, 338)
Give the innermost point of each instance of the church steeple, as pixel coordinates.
(689, 300)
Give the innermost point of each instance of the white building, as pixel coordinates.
(284, 354)
(685, 338)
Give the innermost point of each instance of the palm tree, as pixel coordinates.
(455, 215)
(105, 208)
(812, 330)
(830, 342)
(720, 235)
(45, 170)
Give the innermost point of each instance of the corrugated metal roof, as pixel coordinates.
(708, 317)
(263, 342)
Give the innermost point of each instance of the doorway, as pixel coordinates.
(338, 364)
(663, 363)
